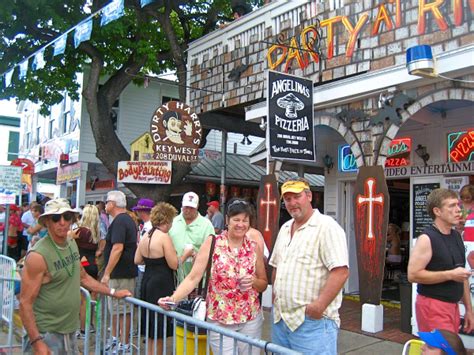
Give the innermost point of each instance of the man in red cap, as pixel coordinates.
(216, 217)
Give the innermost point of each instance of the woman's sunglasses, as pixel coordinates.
(68, 217)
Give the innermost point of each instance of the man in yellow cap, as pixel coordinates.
(310, 268)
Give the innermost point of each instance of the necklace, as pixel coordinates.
(63, 262)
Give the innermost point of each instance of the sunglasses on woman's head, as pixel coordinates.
(68, 216)
(237, 202)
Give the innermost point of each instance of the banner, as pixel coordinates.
(68, 173)
(144, 3)
(111, 12)
(8, 77)
(144, 172)
(60, 45)
(82, 33)
(290, 117)
(38, 61)
(23, 69)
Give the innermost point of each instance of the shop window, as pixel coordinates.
(13, 143)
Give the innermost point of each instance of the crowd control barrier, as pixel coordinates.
(7, 295)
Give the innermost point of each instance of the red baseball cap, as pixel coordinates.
(214, 203)
(14, 208)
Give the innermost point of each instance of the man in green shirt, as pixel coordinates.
(50, 285)
(188, 232)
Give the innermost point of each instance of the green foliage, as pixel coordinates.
(27, 25)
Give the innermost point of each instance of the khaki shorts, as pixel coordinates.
(120, 306)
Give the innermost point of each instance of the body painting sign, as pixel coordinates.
(144, 172)
(290, 117)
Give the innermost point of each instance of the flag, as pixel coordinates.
(38, 61)
(23, 69)
(144, 3)
(8, 77)
(60, 45)
(111, 12)
(82, 33)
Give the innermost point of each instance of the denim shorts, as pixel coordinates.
(58, 343)
(313, 336)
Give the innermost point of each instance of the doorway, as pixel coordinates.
(398, 236)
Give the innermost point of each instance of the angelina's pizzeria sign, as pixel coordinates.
(301, 48)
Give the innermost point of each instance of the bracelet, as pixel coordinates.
(37, 339)
(112, 291)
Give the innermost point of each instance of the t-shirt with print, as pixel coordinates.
(122, 230)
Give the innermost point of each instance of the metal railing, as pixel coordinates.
(7, 295)
(190, 335)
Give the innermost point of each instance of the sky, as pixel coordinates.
(8, 108)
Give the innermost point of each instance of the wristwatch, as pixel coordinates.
(112, 291)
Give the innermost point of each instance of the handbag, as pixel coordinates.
(196, 306)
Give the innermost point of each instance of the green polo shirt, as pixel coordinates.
(194, 233)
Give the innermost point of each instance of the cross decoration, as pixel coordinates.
(371, 199)
(266, 203)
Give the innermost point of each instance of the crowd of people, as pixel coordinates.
(113, 251)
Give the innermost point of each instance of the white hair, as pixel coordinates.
(118, 197)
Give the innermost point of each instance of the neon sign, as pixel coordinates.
(398, 153)
(461, 146)
(346, 160)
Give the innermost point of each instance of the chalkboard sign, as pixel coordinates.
(421, 219)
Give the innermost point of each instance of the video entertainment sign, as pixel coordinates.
(290, 117)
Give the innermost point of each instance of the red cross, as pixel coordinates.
(266, 203)
(371, 199)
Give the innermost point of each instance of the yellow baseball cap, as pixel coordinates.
(294, 186)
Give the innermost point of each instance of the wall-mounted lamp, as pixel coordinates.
(246, 140)
(421, 152)
(328, 163)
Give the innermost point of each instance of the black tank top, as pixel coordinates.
(447, 253)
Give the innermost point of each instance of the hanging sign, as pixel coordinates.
(268, 209)
(290, 117)
(10, 184)
(176, 133)
(68, 173)
(461, 146)
(144, 172)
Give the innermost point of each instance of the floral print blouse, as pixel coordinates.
(227, 304)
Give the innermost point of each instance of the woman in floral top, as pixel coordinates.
(237, 277)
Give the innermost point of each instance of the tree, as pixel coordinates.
(145, 40)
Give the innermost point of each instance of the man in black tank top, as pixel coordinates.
(437, 264)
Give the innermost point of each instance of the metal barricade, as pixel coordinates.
(87, 326)
(193, 337)
(7, 295)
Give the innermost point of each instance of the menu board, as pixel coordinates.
(421, 219)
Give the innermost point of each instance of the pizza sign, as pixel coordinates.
(176, 133)
(399, 153)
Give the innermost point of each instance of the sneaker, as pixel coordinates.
(111, 344)
(122, 349)
(135, 333)
(80, 334)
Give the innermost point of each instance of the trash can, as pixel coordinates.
(405, 304)
(190, 341)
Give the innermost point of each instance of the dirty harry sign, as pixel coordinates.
(290, 113)
(176, 133)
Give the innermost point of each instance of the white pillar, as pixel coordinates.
(81, 186)
(34, 187)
